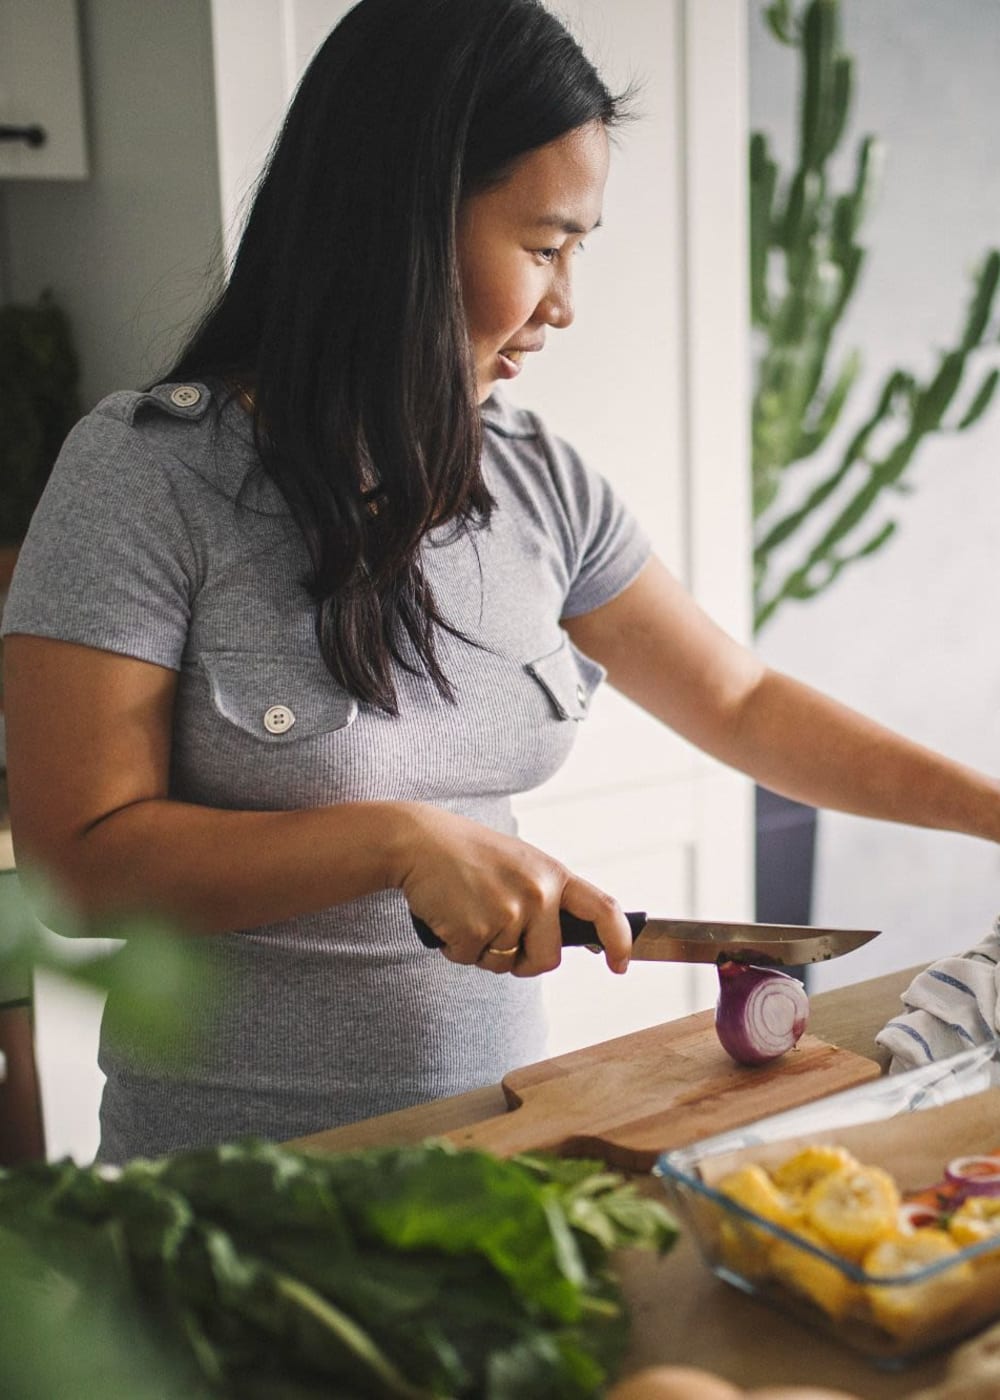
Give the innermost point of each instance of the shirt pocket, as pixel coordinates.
(569, 679)
(277, 699)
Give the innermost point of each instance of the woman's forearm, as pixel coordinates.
(809, 747)
(665, 654)
(214, 870)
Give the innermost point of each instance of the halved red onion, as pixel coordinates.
(975, 1175)
(761, 1012)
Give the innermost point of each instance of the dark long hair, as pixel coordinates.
(343, 312)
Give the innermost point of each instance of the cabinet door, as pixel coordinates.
(261, 49)
(650, 385)
(41, 85)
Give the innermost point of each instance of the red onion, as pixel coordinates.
(914, 1215)
(978, 1175)
(761, 1012)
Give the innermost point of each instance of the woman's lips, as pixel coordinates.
(510, 362)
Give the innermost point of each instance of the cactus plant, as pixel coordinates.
(805, 262)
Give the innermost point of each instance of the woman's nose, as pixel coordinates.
(556, 307)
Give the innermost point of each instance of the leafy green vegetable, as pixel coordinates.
(71, 1325)
(413, 1272)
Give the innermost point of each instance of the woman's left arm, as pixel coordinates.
(664, 653)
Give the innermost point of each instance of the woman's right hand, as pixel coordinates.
(495, 900)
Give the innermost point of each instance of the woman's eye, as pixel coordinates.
(549, 255)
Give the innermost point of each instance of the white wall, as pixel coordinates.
(910, 636)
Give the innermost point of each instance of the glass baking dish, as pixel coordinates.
(910, 1125)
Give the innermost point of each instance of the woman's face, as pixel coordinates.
(516, 244)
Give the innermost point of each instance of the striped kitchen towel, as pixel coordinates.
(950, 1006)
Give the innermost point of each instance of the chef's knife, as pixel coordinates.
(702, 941)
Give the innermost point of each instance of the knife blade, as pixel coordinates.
(706, 941)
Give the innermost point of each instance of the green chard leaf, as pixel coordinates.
(463, 1202)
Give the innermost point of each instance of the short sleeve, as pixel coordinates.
(107, 561)
(606, 546)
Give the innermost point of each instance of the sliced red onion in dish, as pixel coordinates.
(915, 1215)
(761, 1012)
(976, 1175)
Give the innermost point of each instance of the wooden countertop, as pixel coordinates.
(681, 1313)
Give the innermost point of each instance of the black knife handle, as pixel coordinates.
(575, 932)
(426, 934)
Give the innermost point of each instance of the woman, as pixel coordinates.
(289, 629)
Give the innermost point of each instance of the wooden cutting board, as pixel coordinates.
(627, 1100)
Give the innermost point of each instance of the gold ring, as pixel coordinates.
(503, 952)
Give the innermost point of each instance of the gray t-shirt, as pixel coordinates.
(159, 538)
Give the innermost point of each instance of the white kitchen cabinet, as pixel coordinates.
(41, 85)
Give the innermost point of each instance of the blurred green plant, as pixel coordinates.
(70, 1324)
(805, 261)
(415, 1272)
(39, 403)
(162, 974)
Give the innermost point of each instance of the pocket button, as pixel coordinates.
(278, 719)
